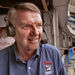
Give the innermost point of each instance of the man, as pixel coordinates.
(27, 56)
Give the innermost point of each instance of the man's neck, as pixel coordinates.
(25, 54)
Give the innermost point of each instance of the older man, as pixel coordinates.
(27, 56)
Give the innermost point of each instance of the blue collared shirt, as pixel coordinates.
(46, 61)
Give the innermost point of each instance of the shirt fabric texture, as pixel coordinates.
(46, 61)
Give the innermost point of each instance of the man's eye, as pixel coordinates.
(39, 25)
(30, 26)
(26, 26)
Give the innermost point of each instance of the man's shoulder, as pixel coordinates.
(4, 59)
(50, 49)
(51, 52)
(4, 52)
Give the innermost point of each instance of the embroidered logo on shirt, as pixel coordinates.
(48, 67)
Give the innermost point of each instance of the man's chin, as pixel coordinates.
(33, 47)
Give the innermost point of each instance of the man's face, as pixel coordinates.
(28, 29)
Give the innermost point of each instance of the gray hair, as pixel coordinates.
(21, 6)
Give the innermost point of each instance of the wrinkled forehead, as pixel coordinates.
(28, 16)
(27, 13)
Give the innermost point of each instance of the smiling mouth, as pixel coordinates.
(33, 40)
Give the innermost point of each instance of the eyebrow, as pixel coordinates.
(30, 24)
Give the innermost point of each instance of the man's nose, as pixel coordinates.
(35, 31)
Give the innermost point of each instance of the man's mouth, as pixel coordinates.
(33, 39)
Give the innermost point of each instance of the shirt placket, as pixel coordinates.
(30, 64)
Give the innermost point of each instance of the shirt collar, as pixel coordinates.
(37, 54)
(17, 57)
(38, 50)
